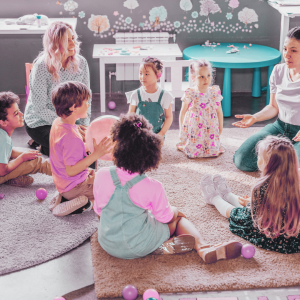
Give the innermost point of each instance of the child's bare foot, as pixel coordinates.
(21, 181)
(179, 147)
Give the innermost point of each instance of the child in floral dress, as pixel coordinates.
(201, 116)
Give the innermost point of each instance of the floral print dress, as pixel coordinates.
(199, 134)
(241, 224)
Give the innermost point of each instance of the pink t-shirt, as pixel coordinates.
(148, 194)
(66, 149)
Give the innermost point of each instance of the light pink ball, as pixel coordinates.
(59, 298)
(150, 293)
(111, 105)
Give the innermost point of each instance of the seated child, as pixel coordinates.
(124, 195)
(201, 116)
(150, 100)
(272, 219)
(15, 165)
(69, 161)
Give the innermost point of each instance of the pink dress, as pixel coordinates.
(199, 134)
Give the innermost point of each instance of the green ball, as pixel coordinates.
(151, 298)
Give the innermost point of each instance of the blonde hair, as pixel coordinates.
(196, 65)
(55, 44)
(278, 212)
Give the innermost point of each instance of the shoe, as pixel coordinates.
(208, 189)
(83, 209)
(70, 206)
(228, 250)
(33, 144)
(21, 181)
(178, 244)
(221, 186)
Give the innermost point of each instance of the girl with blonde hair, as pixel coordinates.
(271, 217)
(59, 62)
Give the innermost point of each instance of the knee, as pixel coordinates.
(240, 161)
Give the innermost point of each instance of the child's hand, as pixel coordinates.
(244, 200)
(296, 138)
(104, 147)
(30, 155)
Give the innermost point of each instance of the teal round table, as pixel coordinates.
(255, 57)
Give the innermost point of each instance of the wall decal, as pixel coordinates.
(131, 4)
(208, 7)
(98, 24)
(116, 13)
(70, 5)
(233, 4)
(186, 5)
(247, 16)
(128, 20)
(195, 14)
(176, 24)
(229, 16)
(157, 14)
(81, 14)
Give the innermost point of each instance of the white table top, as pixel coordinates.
(109, 52)
(289, 11)
(32, 29)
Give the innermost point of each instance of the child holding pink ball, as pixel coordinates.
(201, 116)
(270, 219)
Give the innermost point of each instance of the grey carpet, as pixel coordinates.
(30, 234)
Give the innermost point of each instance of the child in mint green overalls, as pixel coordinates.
(150, 100)
(124, 197)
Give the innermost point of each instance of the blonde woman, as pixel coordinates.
(59, 62)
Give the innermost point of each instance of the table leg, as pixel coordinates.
(270, 69)
(226, 102)
(256, 83)
(284, 28)
(102, 85)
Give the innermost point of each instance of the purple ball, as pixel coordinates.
(41, 194)
(248, 251)
(111, 105)
(2, 196)
(130, 292)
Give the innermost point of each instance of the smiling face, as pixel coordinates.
(203, 78)
(71, 42)
(291, 53)
(14, 118)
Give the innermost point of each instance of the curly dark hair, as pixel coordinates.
(6, 101)
(137, 148)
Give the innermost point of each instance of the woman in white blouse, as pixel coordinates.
(59, 62)
(284, 102)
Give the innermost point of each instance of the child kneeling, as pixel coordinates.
(69, 162)
(124, 195)
(16, 165)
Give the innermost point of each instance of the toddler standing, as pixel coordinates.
(150, 100)
(201, 116)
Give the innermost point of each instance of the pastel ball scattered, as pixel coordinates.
(111, 105)
(248, 251)
(150, 293)
(2, 196)
(41, 194)
(130, 292)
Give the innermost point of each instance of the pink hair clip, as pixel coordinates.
(139, 124)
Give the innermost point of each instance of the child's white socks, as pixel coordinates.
(221, 205)
(233, 199)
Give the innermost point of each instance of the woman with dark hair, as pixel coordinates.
(59, 62)
(284, 103)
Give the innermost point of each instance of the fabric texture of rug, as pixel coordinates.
(30, 234)
(188, 273)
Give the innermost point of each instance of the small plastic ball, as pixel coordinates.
(248, 251)
(41, 194)
(59, 298)
(111, 105)
(152, 298)
(151, 293)
(130, 292)
(2, 196)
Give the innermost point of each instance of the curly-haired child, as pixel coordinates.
(124, 195)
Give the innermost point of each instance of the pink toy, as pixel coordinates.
(2, 196)
(129, 292)
(250, 45)
(151, 293)
(59, 298)
(99, 129)
(41, 194)
(111, 105)
(248, 251)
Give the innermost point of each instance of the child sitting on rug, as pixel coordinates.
(14, 164)
(69, 161)
(124, 195)
(201, 116)
(272, 220)
(150, 100)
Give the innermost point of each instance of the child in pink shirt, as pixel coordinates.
(136, 217)
(69, 162)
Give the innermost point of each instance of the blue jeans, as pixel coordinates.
(245, 157)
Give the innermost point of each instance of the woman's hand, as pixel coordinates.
(247, 121)
(244, 200)
(82, 129)
(296, 138)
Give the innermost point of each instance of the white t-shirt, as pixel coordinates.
(166, 100)
(287, 94)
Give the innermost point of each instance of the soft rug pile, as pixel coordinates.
(187, 273)
(30, 234)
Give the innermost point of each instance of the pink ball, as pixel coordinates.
(111, 105)
(59, 298)
(99, 129)
(41, 194)
(151, 293)
(129, 292)
(248, 251)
